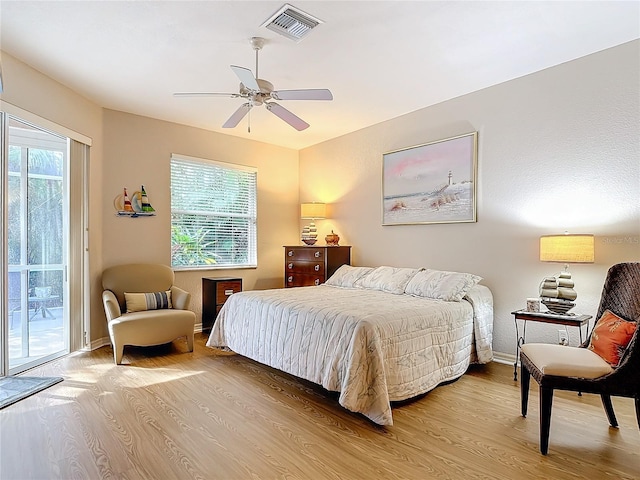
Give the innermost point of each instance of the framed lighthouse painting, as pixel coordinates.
(431, 183)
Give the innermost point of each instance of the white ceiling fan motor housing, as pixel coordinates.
(258, 98)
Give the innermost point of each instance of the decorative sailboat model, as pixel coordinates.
(127, 208)
(144, 203)
(557, 294)
(310, 234)
(140, 207)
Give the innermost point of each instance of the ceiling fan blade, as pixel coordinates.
(309, 94)
(205, 94)
(237, 116)
(246, 77)
(293, 120)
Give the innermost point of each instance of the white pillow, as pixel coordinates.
(440, 285)
(387, 279)
(346, 276)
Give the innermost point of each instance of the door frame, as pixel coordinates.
(77, 257)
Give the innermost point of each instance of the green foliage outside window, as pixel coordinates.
(213, 214)
(35, 196)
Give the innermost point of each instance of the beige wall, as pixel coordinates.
(137, 152)
(30, 90)
(558, 150)
(129, 150)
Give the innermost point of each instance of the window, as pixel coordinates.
(213, 214)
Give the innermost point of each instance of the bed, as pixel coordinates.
(375, 335)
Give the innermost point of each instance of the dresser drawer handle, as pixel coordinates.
(317, 268)
(228, 292)
(290, 253)
(289, 279)
(317, 255)
(290, 266)
(317, 282)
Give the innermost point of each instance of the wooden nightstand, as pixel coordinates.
(544, 317)
(305, 266)
(215, 292)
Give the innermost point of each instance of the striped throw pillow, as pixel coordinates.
(139, 302)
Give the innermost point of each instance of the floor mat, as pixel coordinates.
(14, 389)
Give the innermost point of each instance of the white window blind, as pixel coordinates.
(213, 214)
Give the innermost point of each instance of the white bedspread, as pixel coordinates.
(372, 347)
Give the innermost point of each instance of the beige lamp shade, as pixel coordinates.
(313, 210)
(567, 248)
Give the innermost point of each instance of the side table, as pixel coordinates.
(544, 317)
(215, 291)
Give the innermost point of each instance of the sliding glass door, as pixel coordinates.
(37, 245)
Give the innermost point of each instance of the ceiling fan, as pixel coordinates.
(260, 92)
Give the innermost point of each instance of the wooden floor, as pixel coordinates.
(170, 414)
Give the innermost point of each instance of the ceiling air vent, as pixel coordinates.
(291, 22)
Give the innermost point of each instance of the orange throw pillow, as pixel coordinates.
(610, 337)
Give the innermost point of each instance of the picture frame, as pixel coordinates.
(433, 182)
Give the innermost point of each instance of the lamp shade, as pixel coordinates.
(567, 248)
(313, 210)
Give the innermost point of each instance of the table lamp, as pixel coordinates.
(312, 211)
(557, 293)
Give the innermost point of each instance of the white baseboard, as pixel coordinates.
(506, 358)
(104, 341)
(98, 343)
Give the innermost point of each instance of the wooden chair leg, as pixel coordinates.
(608, 407)
(525, 379)
(546, 401)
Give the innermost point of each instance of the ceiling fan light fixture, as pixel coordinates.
(291, 22)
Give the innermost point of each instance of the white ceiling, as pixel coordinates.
(381, 59)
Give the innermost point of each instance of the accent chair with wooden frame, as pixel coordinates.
(557, 367)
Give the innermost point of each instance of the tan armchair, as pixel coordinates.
(147, 327)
